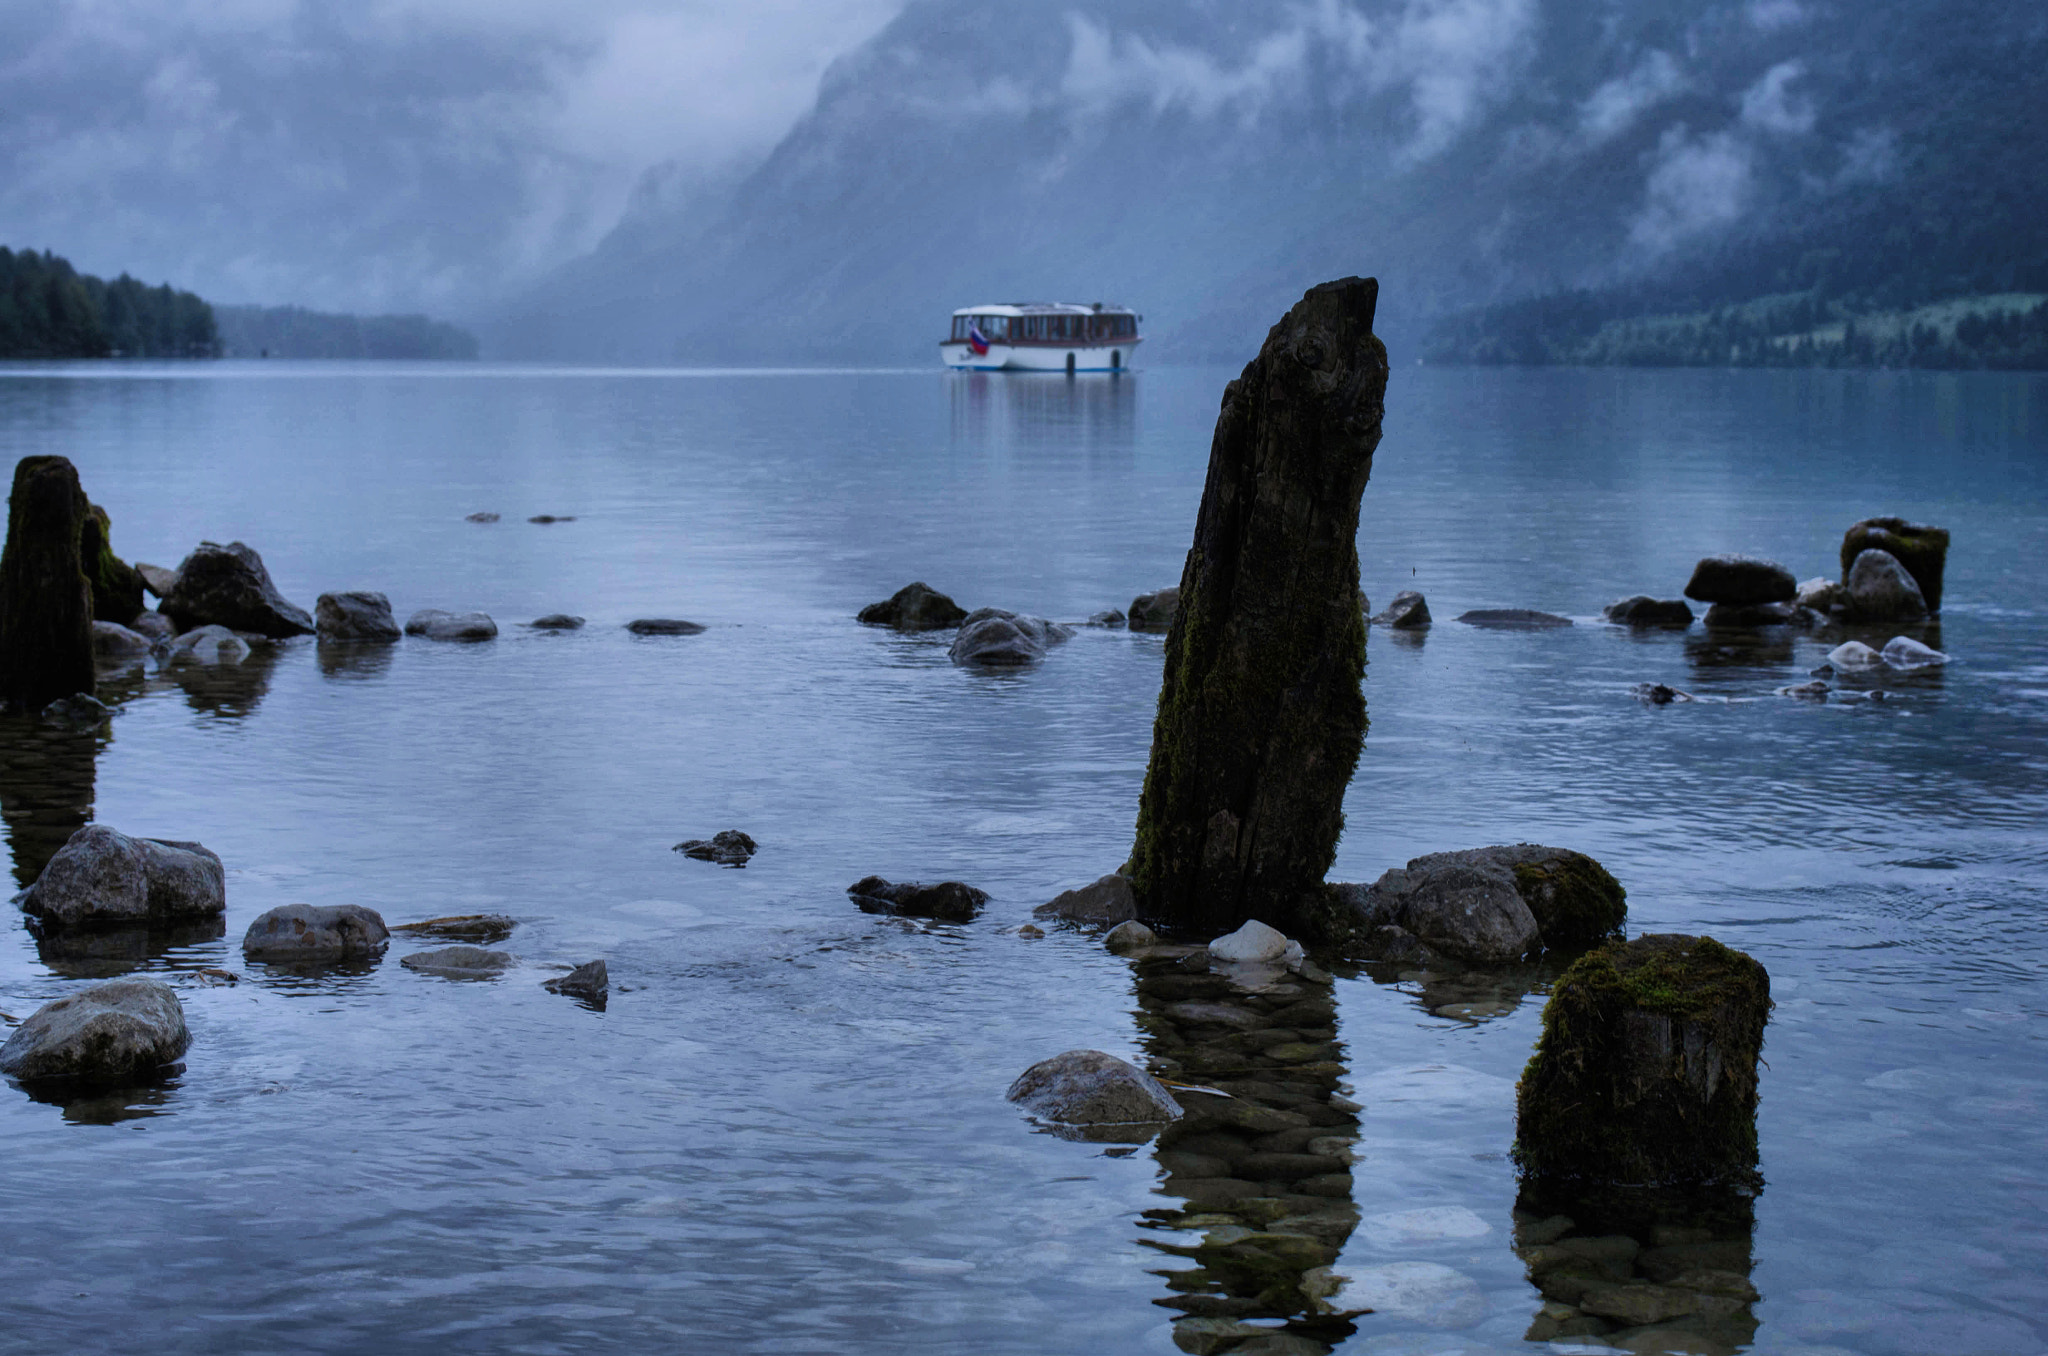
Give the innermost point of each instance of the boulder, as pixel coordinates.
(207, 645)
(1110, 620)
(154, 625)
(1904, 652)
(80, 711)
(1130, 935)
(1489, 905)
(228, 586)
(309, 933)
(727, 847)
(102, 876)
(434, 624)
(663, 626)
(1822, 595)
(128, 1029)
(1920, 549)
(1088, 1087)
(914, 607)
(481, 516)
(46, 611)
(466, 927)
(1742, 581)
(354, 616)
(996, 638)
(1252, 942)
(112, 641)
(1154, 611)
(1261, 713)
(116, 585)
(1659, 694)
(1642, 611)
(1749, 616)
(157, 579)
(556, 621)
(460, 962)
(1814, 691)
(1512, 619)
(589, 981)
(1408, 612)
(948, 900)
(1646, 1071)
(1880, 590)
(1853, 656)
(552, 518)
(1107, 900)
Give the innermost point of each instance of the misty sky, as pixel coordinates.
(381, 155)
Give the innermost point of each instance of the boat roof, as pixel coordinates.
(1045, 308)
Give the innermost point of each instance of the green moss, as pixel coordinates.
(1576, 901)
(1921, 549)
(1646, 1069)
(116, 585)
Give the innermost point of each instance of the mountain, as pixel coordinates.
(1205, 162)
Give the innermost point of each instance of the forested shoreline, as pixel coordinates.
(295, 332)
(48, 309)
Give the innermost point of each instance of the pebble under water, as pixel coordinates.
(786, 1132)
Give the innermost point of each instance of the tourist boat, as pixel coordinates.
(1042, 336)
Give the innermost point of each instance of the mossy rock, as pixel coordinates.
(1922, 549)
(1646, 1072)
(1577, 901)
(116, 585)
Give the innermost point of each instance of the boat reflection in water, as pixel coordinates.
(1094, 415)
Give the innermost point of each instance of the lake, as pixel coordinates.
(787, 1132)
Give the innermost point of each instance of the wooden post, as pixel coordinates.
(45, 598)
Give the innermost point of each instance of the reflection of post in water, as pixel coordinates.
(226, 689)
(46, 788)
(1262, 1164)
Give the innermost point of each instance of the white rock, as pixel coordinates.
(209, 644)
(1853, 656)
(1903, 652)
(1419, 1292)
(1399, 1229)
(1130, 936)
(1252, 942)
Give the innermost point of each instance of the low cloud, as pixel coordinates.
(1695, 184)
(1615, 106)
(1771, 105)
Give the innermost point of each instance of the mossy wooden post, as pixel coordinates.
(1261, 716)
(116, 585)
(1645, 1074)
(45, 599)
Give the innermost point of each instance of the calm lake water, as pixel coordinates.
(787, 1133)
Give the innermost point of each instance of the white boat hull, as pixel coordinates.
(1039, 357)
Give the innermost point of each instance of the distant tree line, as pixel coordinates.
(295, 332)
(50, 310)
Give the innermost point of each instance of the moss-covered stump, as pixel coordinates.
(1261, 716)
(1646, 1070)
(1923, 550)
(116, 585)
(45, 600)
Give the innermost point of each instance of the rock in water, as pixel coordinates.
(464, 927)
(1646, 1070)
(1107, 900)
(557, 621)
(1643, 611)
(914, 607)
(664, 626)
(435, 624)
(116, 585)
(590, 982)
(1880, 590)
(113, 642)
(207, 645)
(950, 901)
(996, 638)
(45, 599)
(1904, 652)
(354, 616)
(154, 625)
(1154, 611)
(307, 933)
(1489, 905)
(1920, 549)
(459, 962)
(1261, 714)
(126, 1029)
(727, 847)
(103, 876)
(228, 585)
(1130, 935)
(1512, 619)
(1408, 612)
(1088, 1087)
(480, 516)
(1741, 581)
(1254, 941)
(157, 579)
(1853, 656)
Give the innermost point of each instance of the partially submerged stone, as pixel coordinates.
(1904, 652)
(995, 638)
(949, 901)
(1512, 619)
(1741, 581)
(1488, 905)
(1111, 619)
(209, 644)
(914, 607)
(128, 1029)
(115, 643)
(360, 615)
(1088, 1087)
(229, 586)
(480, 516)
(1154, 611)
(103, 876)
(727, 847)
(79, 711)
(1646, 1072)
(664, 626)
(155, 625)
(464, 927)
(46, 606)
(556, 621)
(1252, 941)
(460, 962)
(312, 934)
(1659, 694)
(1106, 900)
(1853, 656)
(1822, 594)
(1921, 549)
(1128, 936)
(1750, 616)
(435, 624)
(1408, 612)
(590, 981)
(1880, 590)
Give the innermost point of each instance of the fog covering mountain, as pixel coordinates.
(1205, 161)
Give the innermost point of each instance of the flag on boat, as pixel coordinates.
(976, 340)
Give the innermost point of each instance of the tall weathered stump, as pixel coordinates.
(116, 585)
(45, 598)
(1646, 1071)
(1261, 715)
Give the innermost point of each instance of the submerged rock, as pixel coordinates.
(1489, 905)
(1815, 691)
(1741, 581)
(1110, 620)
(552, 518)
(1512, 619)
(80, 711)
(356, 616)
(207, 645)
(993, 637)
(1106, 900)
(480, 517)
(460, 962)
(556, 621)
(465, 927)
(1659, 694)
(46, 612)
(154, 625)
(949, 901)
(727, 847)
(664, 626)
(113, 641)
(308, 933)
(1853, 656)
(589, 981)
(125, 1029)
(1904, 652)
(1920, 549)
(1088, 1087)
(1880, 590)
(1643, 611)
(1130, 935)
(435, 624)
(228, 586)
(1739, 617)
(1253, 941)
(1154, 611)
(914, 607)
(103, 876)
(1408, 612)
